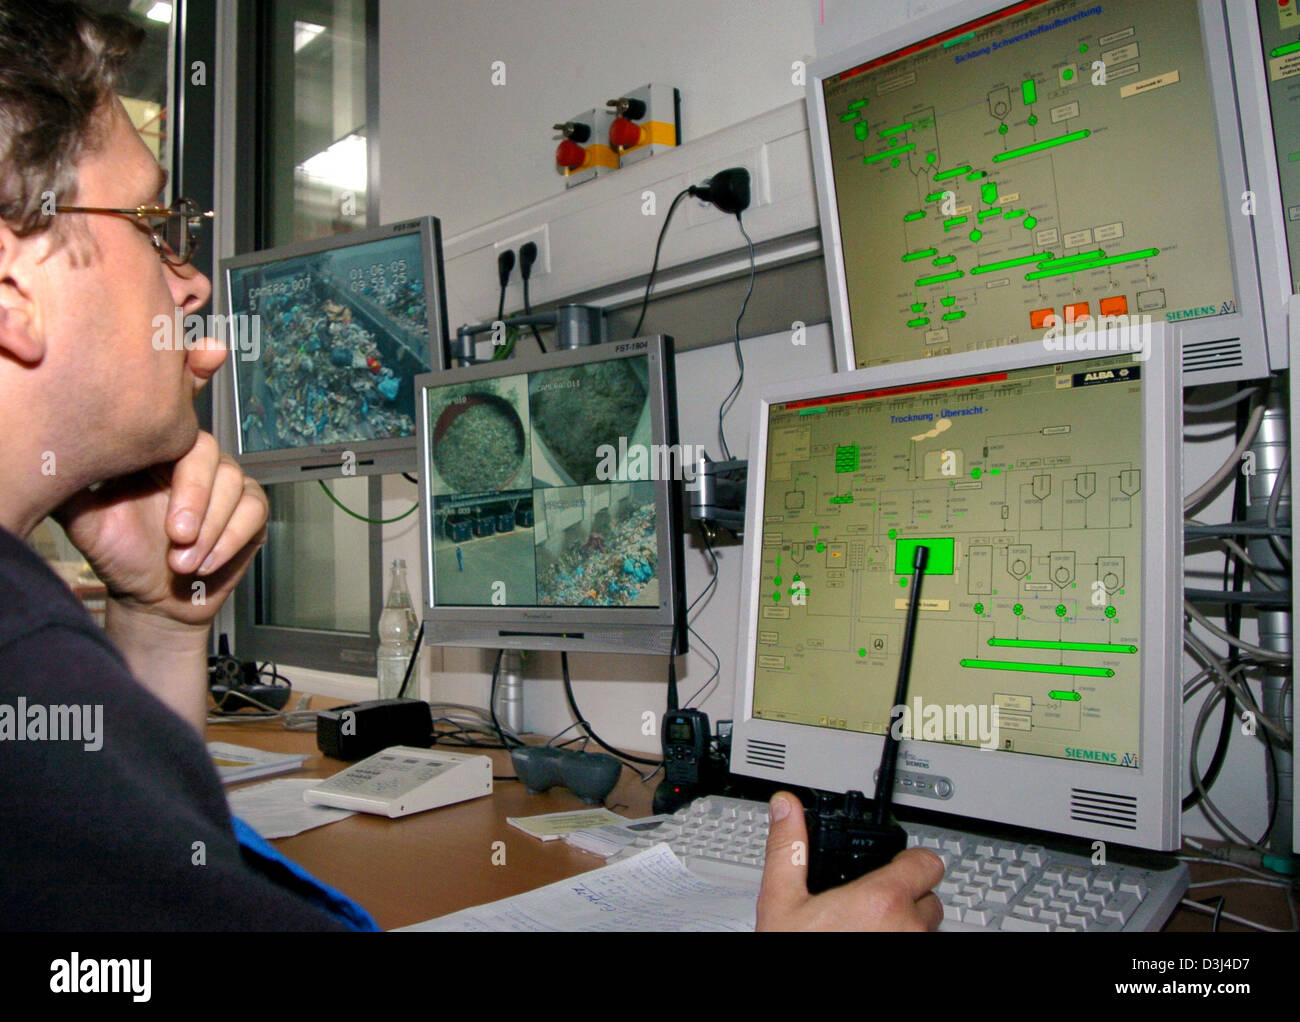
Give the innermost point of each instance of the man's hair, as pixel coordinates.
(58, 65)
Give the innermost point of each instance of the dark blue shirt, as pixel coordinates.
(134, 834)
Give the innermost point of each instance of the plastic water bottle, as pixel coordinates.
(396, 635)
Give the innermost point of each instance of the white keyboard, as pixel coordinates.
(989, 884)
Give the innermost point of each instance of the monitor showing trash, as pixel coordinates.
(326, 339)
(548, 497)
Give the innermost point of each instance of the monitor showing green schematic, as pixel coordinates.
(1030, 502)
(1050, 162)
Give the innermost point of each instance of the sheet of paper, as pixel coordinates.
(649, 891)
(550, 826)
(276, 809)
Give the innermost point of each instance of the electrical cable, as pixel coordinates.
(1227, 402)
(410, 478)
(1237, 551)
(713, 581)
(573, 708)
(1274, 499)
(730, 399)
(492, 700)
(410, 664)
(363, 518)
(654, 267)
(1196, 905)
(528, 311)
(1232, 463)
(1213, 814)
(717, 665)
(1259, 652)
(1232, 619)
(1242, 693)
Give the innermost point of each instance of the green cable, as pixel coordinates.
(363, 518)
(507, 349)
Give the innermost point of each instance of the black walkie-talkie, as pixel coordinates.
(844, 841)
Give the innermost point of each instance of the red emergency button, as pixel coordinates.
(1116, 306)
(624, 134)
(570, 155)
(1042, 319)
(1077, 311)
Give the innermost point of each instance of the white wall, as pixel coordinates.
(453, 144)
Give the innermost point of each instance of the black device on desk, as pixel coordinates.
(686, 738)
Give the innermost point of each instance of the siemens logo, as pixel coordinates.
(1092, 754)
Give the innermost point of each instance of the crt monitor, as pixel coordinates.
(1266, 60)
(1044, 688)
(327, 337)
(550, 511)
(994, 168)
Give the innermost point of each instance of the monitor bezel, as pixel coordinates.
(372, 457)
(660, 629)
(1244, 327)
(1255, 111)
(834, 760)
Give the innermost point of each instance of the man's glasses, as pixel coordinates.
(173, 229)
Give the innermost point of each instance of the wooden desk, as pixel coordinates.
(415, 868)
(408, 870)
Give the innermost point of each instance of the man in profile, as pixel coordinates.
(97, 428)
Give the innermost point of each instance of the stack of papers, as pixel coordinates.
(240, 763)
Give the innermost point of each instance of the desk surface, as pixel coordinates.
(415, 868)
(408, 870)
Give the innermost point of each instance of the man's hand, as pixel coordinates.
(170, 543)
(895, 897)
(152, 535)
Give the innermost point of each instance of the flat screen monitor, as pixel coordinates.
(326, 339)
(550, 511)
(1266, 61)
(1044, 685)
(993, 168)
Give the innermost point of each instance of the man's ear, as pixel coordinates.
(19, 337)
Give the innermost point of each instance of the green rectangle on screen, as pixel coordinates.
(940, 562)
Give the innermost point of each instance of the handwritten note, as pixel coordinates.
(649, 891)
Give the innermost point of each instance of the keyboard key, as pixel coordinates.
(977, 916)
(1034, 855)
(951, 912)
(1025, 925)
(955, 845)
(998, 896)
